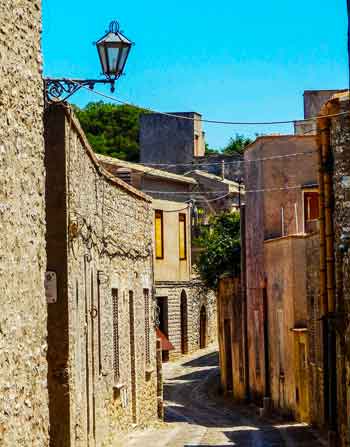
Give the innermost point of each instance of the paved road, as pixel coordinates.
(196, 416)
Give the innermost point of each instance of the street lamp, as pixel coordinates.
(113, 50)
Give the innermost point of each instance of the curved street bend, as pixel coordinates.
(195, 414)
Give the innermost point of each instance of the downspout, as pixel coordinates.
(328, 293)
(244, 301)
(323, 304)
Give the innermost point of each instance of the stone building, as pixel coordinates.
(24, 418)
(178, 145)
(334, 162)
(313, 102)
(187, 310)
(101, 337)
(281, 202)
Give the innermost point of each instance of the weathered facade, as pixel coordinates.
(187, 310)
(167, 139)
(24, 418)
(334, 142)
(178, 145)
(313, 103)
(102, 343)
(288, 264)
(231, 330)
(281, 211)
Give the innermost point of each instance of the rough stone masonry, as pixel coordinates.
(23, 370)
(102, 344)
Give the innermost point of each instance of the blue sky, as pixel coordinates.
(228, 59)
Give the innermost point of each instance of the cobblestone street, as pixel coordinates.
(196, 416)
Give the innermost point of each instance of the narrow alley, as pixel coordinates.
(195, 414)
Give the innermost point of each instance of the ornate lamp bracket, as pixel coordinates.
(59, 90)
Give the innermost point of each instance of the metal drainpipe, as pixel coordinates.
(323, 305)
(330, 275)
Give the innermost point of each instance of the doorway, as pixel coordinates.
(203, 328)
(302, 389)
(162, 303)
(184, 325)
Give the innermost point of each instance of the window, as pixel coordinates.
(196, 141)
(159, 237)
(311, 205)
(182, 236)
(147, 326)
(116, 365)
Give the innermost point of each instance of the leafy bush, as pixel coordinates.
(220, 242)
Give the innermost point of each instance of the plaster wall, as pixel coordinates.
(286, 273)
(271, 183)
(171, 267)
(231, 319)
(24, 418)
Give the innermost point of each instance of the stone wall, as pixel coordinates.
(197, 296)
(23, 370)
(165, 139)
(340, 142)
(102, 375)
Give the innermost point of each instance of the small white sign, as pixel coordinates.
(51, 287)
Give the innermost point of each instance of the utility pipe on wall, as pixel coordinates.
(296, 217)
(328, 294)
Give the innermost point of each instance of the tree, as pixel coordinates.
(220, 242)
(210, 151)
(111, 129)
(236, 144)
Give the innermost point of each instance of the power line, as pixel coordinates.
(183, 192)
(275, 157)
(203, 193)
(234, 123)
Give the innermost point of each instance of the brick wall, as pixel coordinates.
(104, 228)
(23, 370)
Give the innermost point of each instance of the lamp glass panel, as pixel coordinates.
(102, 53)
(112, 54)
(123, 56)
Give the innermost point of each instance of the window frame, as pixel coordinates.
(158, 214)
(182, 218)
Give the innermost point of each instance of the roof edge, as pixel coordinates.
(69, 113)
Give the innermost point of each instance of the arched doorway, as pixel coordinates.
(203, 328)
(184, 326)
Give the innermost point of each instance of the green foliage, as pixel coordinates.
(220, 242)
(210, 151)
(111, 129)
(236, 144)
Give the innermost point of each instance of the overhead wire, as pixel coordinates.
(231, 162)
(203, 193)
(223, 122)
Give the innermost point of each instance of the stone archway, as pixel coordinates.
(203, 328)
(184, 324)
